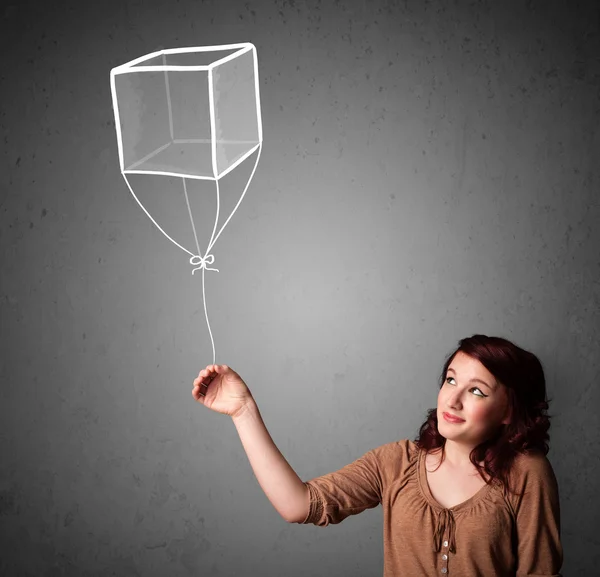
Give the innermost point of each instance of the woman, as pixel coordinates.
(473, 495)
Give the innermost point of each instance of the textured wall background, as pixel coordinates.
(430, 170)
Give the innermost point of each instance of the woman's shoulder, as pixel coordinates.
(532, 483)
(403, 452)
(532, 464)
(405, 446)
(531, 472)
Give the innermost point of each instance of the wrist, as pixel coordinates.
(248, 409)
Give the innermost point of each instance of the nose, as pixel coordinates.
(454, 400)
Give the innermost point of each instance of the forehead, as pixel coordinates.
(470, 367)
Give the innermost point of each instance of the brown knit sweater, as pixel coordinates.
(492, 534)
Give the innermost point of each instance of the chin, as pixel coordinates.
(444, 433)
(449, 431)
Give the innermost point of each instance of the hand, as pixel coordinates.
(221, 389)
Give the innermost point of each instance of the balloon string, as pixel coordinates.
(208, 258)
(202, 261)
(214, 238)
(198, 259)
(212, 340)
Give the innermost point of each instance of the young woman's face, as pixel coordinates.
(471, 393)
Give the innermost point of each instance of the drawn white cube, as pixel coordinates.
(190, 112)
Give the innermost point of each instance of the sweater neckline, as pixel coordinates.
(426, 492)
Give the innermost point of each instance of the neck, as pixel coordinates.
(457, 455)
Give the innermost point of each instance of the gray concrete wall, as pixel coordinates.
(430, 170)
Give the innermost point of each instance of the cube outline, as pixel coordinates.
(134, 66)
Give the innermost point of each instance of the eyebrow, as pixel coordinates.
(477, 381)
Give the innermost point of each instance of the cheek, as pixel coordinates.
(481, 413)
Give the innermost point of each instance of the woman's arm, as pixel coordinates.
(537, 510)
(286, 491)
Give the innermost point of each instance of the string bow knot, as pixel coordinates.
(203, 261)
(445, 521)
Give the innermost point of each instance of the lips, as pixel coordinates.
(451, 418)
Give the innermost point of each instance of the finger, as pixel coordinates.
(199, 391)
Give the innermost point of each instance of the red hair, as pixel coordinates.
(523, 376)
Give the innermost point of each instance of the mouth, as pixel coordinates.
(451, 418)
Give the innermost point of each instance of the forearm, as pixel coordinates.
(282, 486)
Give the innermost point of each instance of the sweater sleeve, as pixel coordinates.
(348, 491)
(537, 511)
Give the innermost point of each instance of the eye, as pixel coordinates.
(479, 394)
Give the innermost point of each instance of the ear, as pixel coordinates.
(508, 416)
